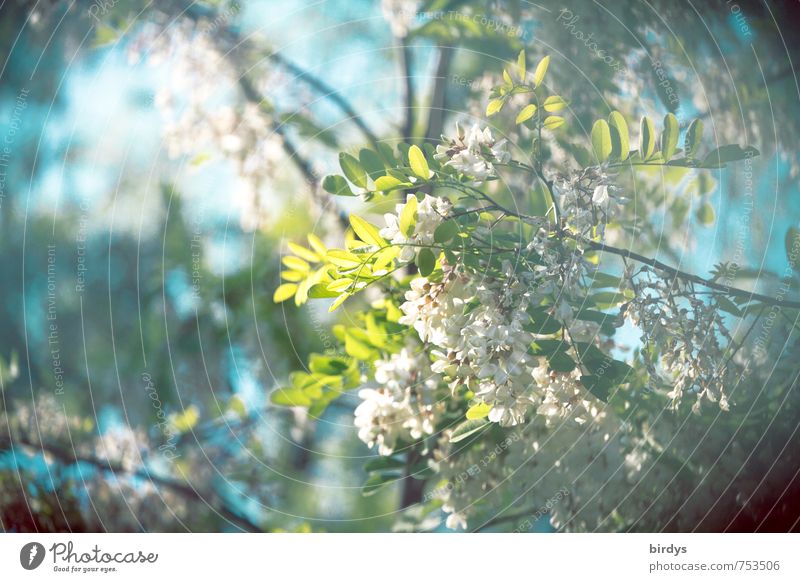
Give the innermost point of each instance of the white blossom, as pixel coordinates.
(474, 154)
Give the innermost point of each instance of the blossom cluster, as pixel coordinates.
(683, 336)
(430, 214)
(473, 153)
(401, 404)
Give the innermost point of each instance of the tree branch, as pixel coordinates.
(68, 457)
(438, 105)
(408, 96)
(726, 289)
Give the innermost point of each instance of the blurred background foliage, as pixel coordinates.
(158, 155)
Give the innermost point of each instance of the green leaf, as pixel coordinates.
(290, 397)
(284, 292)
(554, 103)
(328, 365)
(693, 137)
(419, 165)
(541, 69)
(507, 78)
(601, 140)
(478, 411)
(494, 106)
(526, 113)
(669, 137)
(383, 464)
(352, 170)
(600, 386)
(372, 164)
(727, 305)
(366, 232)
(620, 138)
(445, 231)
(647, 139)
(321, 291)
(426, 262)
(561, 362)
(728, 153)
(358, 349)
(376, 481)
(607, 299)
(467, 429)
(521, 65)
(705, 213)
(337, 185)
(553, 122)
(408, 217)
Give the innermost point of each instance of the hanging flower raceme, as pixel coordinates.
(496, 326)
(474, 153)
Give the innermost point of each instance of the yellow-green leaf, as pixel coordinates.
(647, 139)
(480, 410)
(186, 420)
(705, 214)
(521, 65)
(541, 69)
(527, 112)
(408, 217)
(386, 183)
(494, 106)
(419, 165)
(343, 259)
(284, 292)
(554, 103)
(293, 276)
(353, 170)
(290, 397)
(669, 137)
(337, 302)
(366, 232)
(303, 253)
(601, 140)
(507, 78)
(693, 137)
(553, 122)
(296, 263)
(317, 244)
(620, 138)
(384, 257)
(340, 285)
